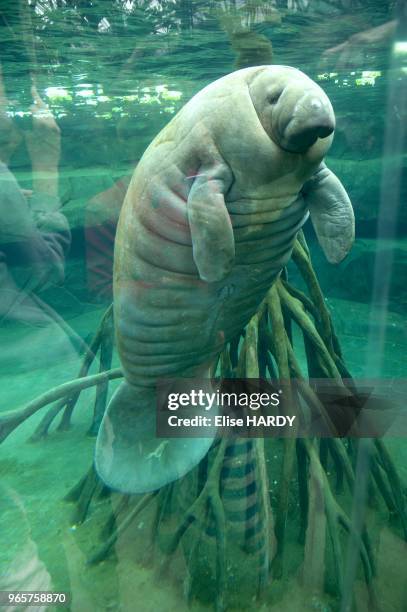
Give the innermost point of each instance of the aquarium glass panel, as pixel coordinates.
(203, 295)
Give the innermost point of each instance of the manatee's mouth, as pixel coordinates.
(299, 137)
(300, 142)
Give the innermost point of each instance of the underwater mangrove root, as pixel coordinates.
(267, 350)
(320, 473)
(104, 550)
(336, 517)
(209, 498)
(115, 524)
(396, 496)
(103, 341)
(11, 419)
(105, 363)
(88, 487)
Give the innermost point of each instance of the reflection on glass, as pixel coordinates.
(292, 524)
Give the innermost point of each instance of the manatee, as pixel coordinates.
(208, 223)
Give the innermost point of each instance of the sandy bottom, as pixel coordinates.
(36, 477)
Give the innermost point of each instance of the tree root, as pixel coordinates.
(389, 469)
(336, 516)
(267, 347)
(209, 498)
(111, 524)
(11, 419)
(315, 540)
(88, 487)
(105, 363)
(102, 340)
(280, 340)
(102, 553)
(264, 348)
(302, 260)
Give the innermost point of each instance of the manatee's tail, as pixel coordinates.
(129, 457)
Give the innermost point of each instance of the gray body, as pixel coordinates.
(208, 222)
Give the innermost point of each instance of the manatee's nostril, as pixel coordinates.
(316, 104)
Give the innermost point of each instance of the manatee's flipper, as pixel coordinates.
(331, 213)
(130, 458)
(213, 244)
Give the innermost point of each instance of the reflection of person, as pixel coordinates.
(34, 235)
(23, 569)
(34, 238)
(103, 210)
(352, 52)
(252, 48)
(102, 214)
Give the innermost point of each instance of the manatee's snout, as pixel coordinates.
(301, 139)
(312, 118)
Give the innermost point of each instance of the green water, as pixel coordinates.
(113, 74)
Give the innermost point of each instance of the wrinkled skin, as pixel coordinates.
(209, 220)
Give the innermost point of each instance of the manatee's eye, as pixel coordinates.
(273, 97)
